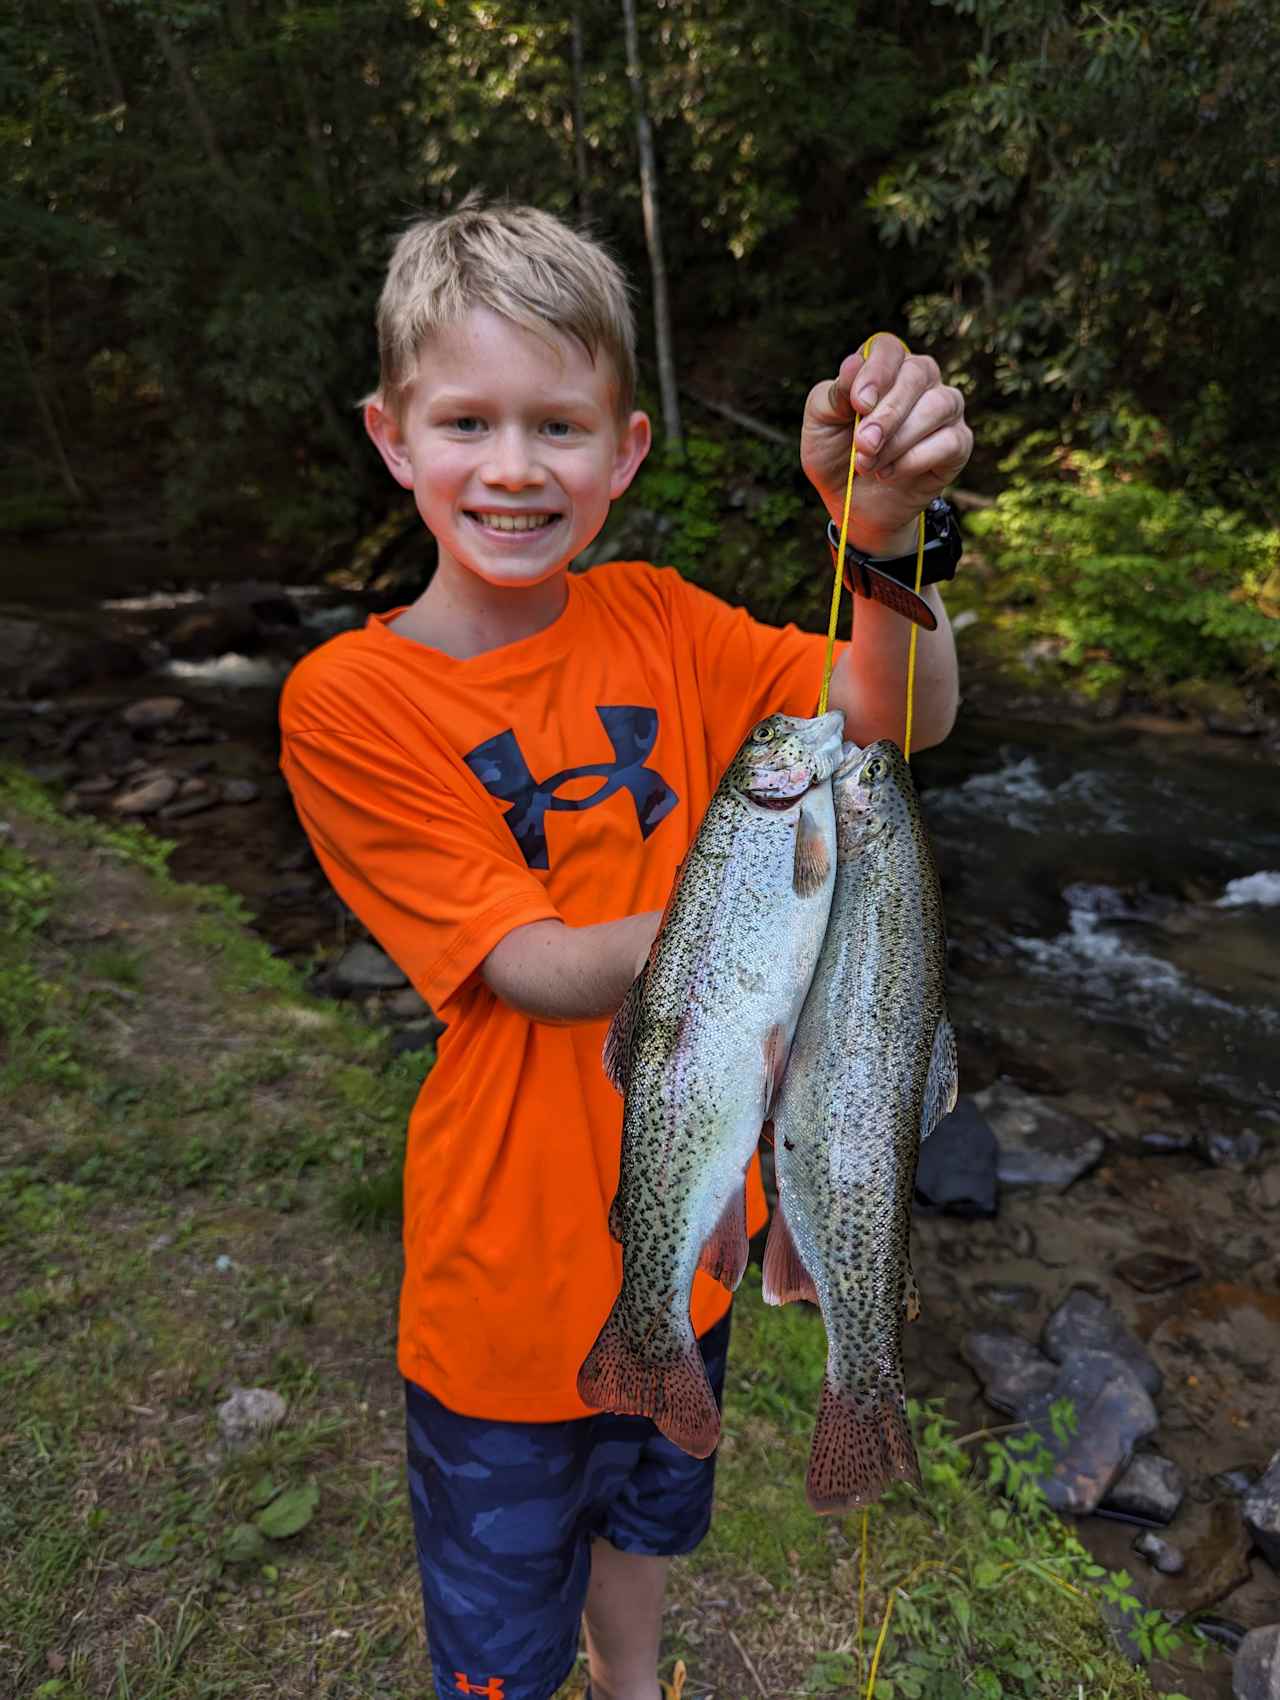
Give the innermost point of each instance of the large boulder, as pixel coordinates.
(1255, 1673)
(1261, 1509)
(1086, 1322)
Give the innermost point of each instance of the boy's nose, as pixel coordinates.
(509, 463)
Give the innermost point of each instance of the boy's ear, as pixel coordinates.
(634, 442)
(383, 426)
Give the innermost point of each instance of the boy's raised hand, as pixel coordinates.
(912, 441)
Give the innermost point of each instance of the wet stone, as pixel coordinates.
(1011, 1370)
(1166, 1144)
(956, 1174)
(1005, 1295)
(1269, 1188)
(150, 712)
(1084, 1322)
(1114, 1412)
(1162, 1555)
(1040, 1145)
(1217, 1564)
(1255, 1672)
(1235, 1483)
(239, 791)
(192, 805)
(1230, 1150)
(406, 1005)
(1156, 1271)
(146, 797)
(1151, 1486)
(415, 1037)
(96, 786)
(1261, 1508)
(364, 968)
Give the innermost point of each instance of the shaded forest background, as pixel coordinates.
(1073, 206)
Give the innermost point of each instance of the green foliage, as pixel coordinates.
(1132, 582)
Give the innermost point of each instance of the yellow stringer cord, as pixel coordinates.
(839, 583)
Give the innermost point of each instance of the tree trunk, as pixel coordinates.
(195, 106)
(45, 412)
(579, 129)
(653, 239)
(98, 25)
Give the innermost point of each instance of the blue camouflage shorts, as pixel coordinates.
(504, 1515)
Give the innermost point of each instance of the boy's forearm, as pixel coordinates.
(562, 974)
(869, 683)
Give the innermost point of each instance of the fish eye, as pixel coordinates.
(876, 768)
(762, 735)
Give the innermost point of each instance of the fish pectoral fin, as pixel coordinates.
(861, 1445)
(785, 1276)
(776, 1052)
(943, 1082)
(724, 1256)
(813, 857)
(617, 1041)
(674, 1392)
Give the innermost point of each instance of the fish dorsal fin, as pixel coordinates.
(785, 1276)
(724, 1256)
(813, 857)
(617, 1041)
(942, 1085)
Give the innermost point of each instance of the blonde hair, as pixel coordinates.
(526, 265)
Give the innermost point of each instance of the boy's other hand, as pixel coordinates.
(912, 442)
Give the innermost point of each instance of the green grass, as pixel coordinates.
(186, 1183)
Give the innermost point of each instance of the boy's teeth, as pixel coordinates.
(516, 522)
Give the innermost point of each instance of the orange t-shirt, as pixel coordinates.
(560, 777)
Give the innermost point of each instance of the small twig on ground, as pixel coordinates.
(986, 1433)
(751, 1669)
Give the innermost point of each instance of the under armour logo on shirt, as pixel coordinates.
(492, 1690)
(500, 767)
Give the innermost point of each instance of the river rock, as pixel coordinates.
(1217, 1564)
(406, 1005)
(1084, 1322)
(1165, 1142)
(1267, 1188)
(1150, 1486)
(149, 712)
(248, 1414)
(1261, 1509)
(96, 786)
(1039, 1144)
(145, 797)
(956, 1174)
(1162, 1555)
(239, 791)
(1234, 1483)
(362, 967)
(415, 1036)
(1156, 1271)
(1227, 1150)
(1114, 1412)
(1011, 1370)
(1255, 1672)
(194, 804)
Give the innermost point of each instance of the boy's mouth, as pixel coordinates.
(512, 522)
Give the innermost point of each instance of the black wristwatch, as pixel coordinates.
(890, 579)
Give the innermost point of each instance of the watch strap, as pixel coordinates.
(865, 579)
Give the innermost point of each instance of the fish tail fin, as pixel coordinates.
(674, 1392)
(860, 1447)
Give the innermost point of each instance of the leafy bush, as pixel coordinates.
(1131, 581)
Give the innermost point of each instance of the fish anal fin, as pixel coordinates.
(724, 1256)
(785, 1276)
(943, 1082)
(673, 1392)
(776, 1051)
(813, 857)
(861, 1446)
(617, 1041)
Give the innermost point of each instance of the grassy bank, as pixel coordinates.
(194, 1197)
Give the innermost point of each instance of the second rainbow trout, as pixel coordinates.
(872, 1071)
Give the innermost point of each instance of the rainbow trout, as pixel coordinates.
(872, 1072)
(698, 1050)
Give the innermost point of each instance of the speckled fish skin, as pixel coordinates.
(872, 1071)
(698, 1050)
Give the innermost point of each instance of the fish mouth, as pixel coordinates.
(781, 800)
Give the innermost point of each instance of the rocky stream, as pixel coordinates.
(1099, 1219)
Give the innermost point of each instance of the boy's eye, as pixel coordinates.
(467, 423)
(559, 428)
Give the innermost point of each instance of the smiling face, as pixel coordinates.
(512, 446)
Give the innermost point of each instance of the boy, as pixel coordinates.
(501, 780)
